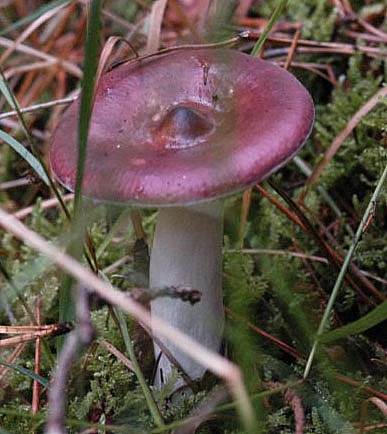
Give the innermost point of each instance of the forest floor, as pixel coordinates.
(304, 255)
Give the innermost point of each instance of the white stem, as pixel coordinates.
(187, 250)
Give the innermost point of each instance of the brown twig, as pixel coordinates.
(351, 382)
(9, 123)
(370, 28)
(30, 29)
(120, 356)
(53, 330)
(45, 204)
(280, 206)
(246, 202)
(362, 36)
(285, 347)
(339, 47)
(381, 405)
(315, 68)
(377, 426)
(293, 49)
(145, 295)
(36, 330)
(294, 401)
(11, 359)
(118, 263)
(135, 217)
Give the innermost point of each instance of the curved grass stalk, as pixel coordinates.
(136, 367)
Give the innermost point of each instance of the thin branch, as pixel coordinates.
(27, 337)
(45, 204)
(285, 347)
(308, 46)
(292, 50)
(40, 106)
(14, 183)
(120, 356)
(145, 295)
(11, 359)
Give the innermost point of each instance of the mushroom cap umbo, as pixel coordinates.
(184, 127)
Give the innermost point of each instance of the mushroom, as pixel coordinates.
(180, 131)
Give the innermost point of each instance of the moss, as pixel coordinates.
(317, 16)
(280, 294)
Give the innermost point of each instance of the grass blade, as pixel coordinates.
(367, 321)
(11, 99)
(273, 19)
(6, 92)
(26, 155)
(87, 94)
(27, 372)
(155, 22)
(140, 377)
(344, 268)
(66, 307)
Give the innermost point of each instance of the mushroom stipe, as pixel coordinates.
(180, 131)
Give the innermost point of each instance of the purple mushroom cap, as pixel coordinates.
(185, 127)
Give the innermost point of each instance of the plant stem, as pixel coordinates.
(364, 221)
(274, 17)
(87, 96)
(136, 367)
